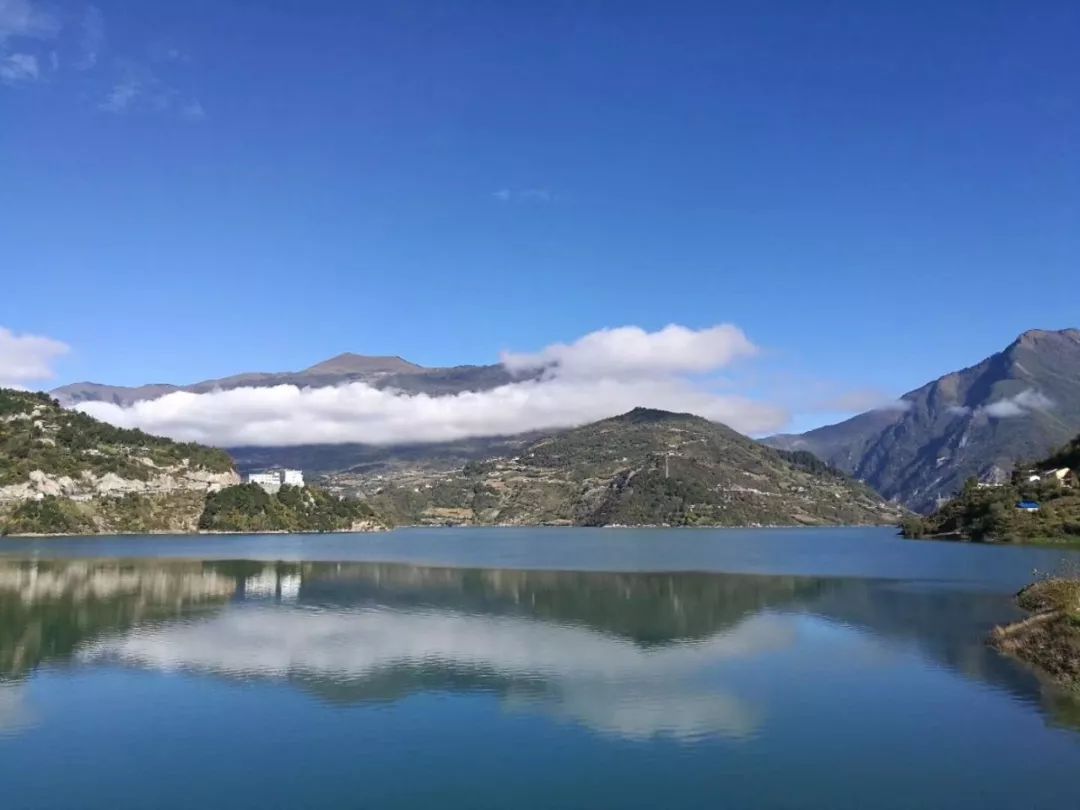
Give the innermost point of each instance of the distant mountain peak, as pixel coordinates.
(1033, 337)
(349, 363)
(642, 414)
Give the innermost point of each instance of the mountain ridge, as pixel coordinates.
(1019, 403)
(379, 371)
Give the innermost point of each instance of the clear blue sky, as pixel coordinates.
(876, 193)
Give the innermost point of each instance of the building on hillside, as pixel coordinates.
(270, 481)
(1062, 474)
(275, 479)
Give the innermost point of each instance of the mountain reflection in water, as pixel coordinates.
(629, 655)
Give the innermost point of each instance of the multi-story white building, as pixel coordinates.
(270, 481)
(276, 479)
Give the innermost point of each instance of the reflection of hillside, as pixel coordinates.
(647, 608)
(48, 608)
(950, 625)
(623, 653)
(946, 622)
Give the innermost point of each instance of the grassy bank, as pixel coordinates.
(1050, 638)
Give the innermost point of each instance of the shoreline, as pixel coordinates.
(614, 527)
(1049, 639)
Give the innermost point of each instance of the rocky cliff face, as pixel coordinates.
(87, 486)
(62, 471)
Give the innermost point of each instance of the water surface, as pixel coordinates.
(528, 668)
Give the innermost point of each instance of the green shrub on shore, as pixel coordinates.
(249, 508)
(50, 515)
(130, 513)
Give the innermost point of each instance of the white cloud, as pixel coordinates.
(630, 351)
(286, 415)
(601, 375)
(27, 358)
(1021, 404)
(18, 67)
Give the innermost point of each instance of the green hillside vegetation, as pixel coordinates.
(249, 508)
(646, 467)
(125, 514)
(37, 434)
(990, 513)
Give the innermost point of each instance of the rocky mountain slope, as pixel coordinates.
(645, 467)
(380, 372)
(1016, 405)
(65, 470)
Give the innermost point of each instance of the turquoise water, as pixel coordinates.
(525, 668)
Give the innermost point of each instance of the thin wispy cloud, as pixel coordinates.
(37, 42)
(192, 110)
(861, 400)
(27, 19)
(600, 375)
(91, 38)
(138, 88)
(536, 195)
(24, 28)
(19, 67)
(26, 359)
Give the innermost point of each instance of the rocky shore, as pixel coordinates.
(1049, 639)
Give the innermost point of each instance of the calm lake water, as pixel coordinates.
(526, 668)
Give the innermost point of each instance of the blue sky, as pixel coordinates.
(876, 193)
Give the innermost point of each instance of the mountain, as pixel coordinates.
(1018, 404)
(380, 372)
(646, 467)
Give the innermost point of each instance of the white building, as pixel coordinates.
(276, 479)
(270, 481)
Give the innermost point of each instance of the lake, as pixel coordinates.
(532, 668)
